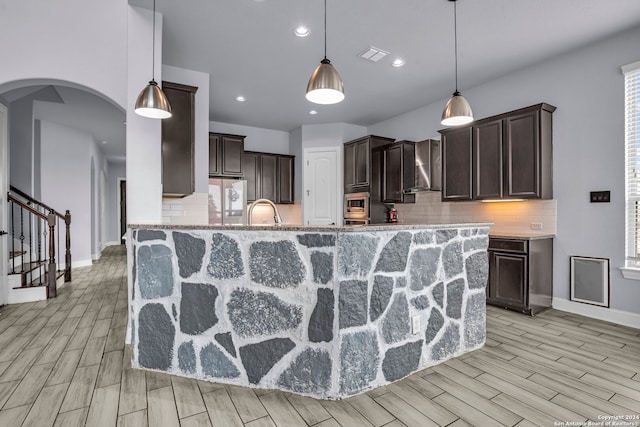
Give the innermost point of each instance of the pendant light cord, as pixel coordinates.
(325, 29)
(455, 38)
(153, 46)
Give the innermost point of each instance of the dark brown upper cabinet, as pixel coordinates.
(487, 160)
(399, 161)
(285, 179)
(269, 176)
(225, 155)
(509, 156)
(457, 164)
(251, 168)
(357, 163)
(528, 146)
(178, 138)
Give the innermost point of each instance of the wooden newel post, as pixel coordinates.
(51, 270)
(67, 255)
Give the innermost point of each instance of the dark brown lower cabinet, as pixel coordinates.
(520, 274)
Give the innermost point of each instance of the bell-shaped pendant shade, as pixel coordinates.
(457, 111)
(153, 103)
(325, 85)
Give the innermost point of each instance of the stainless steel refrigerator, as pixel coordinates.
(227, 201)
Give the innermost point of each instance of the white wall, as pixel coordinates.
(99, 200)
(117, 172)
(66, 182)
(587, 87)
(21, 143)
(144, 162)
(257, 139)
(201, 154)
(78, 41)
(295, 148)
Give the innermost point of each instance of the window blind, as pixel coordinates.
(632, 160)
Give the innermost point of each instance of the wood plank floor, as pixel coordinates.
(63, 362)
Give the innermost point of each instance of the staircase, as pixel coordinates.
(35, 231)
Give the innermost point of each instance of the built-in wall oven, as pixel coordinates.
(356, 209)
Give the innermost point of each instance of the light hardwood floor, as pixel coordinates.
(63, 362)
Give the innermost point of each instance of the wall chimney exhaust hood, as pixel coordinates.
(428, 171)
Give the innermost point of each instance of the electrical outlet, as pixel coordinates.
(415, 324)
(536, 226)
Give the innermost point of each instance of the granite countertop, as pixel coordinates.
(308, 228)
(523, 235)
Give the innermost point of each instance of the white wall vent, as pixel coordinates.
(373, 54)
(590, 280)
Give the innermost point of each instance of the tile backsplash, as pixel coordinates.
(190, 210)
(194, 210)
(506, 216)
(290, 214)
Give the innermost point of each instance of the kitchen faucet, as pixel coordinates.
(276, 215)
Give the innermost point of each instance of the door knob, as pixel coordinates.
(2, 232)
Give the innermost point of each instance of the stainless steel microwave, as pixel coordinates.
(356, 206)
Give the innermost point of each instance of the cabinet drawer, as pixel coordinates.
(508, 245)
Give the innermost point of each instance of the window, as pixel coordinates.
(632, 162)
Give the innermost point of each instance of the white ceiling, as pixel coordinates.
(248, 48)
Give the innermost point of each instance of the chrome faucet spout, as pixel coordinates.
(276, 215)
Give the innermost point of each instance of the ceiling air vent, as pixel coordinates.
(373, 54)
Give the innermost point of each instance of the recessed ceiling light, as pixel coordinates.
(313, 112)
(240, 98)
(301, 31)
(398, 62)
(104, 142)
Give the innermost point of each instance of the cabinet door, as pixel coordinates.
(268, 177)
(178, 140)
(362, 163)
(508, 279)
(522, 143)
(349, 166)
(285, 179)
(232, 151)
(215, 155)
(456, 164)
(487, 160)
(376, 189)
(251, 168)
(393, 174)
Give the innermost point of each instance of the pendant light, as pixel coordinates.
(152, 102)
(457, 111)
(325, 85)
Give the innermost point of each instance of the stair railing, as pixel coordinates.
(42, 231)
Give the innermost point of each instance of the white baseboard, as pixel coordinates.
(114, 243)
(620, 317)
(82, 263)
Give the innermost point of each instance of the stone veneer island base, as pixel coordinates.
(325, 312)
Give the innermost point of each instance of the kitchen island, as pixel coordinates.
(327, 312)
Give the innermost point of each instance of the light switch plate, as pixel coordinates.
(600, 196)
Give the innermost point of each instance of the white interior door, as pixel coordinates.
(321, 193)
(4, 187)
